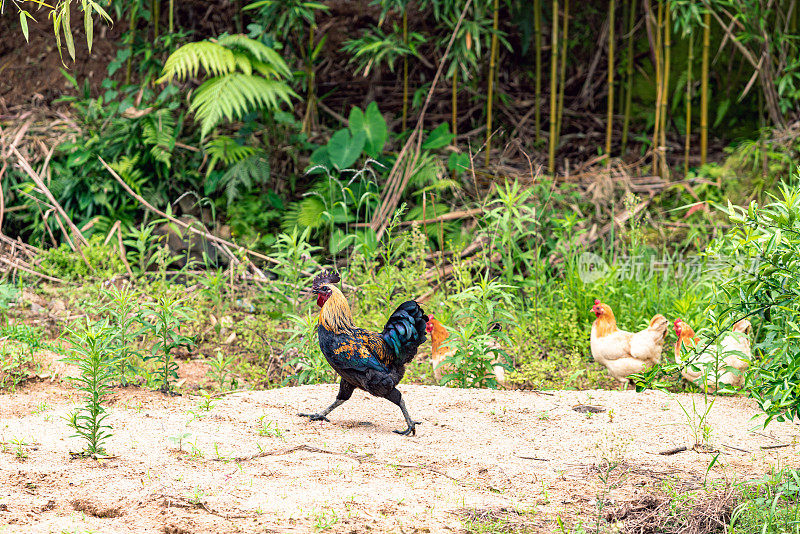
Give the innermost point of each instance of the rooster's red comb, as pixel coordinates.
(325, 277)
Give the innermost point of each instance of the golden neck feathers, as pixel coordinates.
(335, 314)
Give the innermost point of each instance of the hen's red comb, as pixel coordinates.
(597, 301)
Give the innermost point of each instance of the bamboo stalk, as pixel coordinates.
(686, 146)
(537, 25)
(171, 16)
(665, 91)
(626, 121)
(492, 73)
(553, 87)
(620, 105)
(704, 88)
(610, 116)
(563, 73)
(658, 65)
(405, 68)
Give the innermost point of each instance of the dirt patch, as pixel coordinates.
(95, 509)
(515, 460)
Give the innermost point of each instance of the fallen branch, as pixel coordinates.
(360, 458)
(31, 271)
(441, 218)
(670, 452)
(735, 448)
(589, 239)
(46, 192)
(779, 446)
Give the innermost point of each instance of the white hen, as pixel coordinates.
(625, 353)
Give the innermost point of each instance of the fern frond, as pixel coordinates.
(226, 150)
(259, 52)
(306, 213)
(186, 61)
(244, 174)
(128, 170)
(158, 131)
(230, 97)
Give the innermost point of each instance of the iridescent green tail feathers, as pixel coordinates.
(405, 331)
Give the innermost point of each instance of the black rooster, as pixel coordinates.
(374, 362)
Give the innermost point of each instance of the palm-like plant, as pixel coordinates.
(246, 75)
(376, 47)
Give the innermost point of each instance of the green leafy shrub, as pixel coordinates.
(770, 233)
(102, 261)
(483, 316)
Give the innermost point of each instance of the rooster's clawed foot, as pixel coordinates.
(410, 431)
(314, 417)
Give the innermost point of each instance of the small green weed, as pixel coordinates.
(93, 353)
(163, 320)
(220, 370)
(269, 428)
(125, 318)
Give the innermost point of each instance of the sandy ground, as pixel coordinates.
(526, 456)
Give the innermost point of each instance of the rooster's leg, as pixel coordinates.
(345, 391)
(397, 398)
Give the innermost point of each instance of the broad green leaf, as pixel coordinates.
(373, 125)
(344, 149)
(458, 162)
(438, 138)
(340, 241)
(376, 130)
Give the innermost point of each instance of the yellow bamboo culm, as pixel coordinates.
(659, 75)
(492, 72)
(171, 16)
(686, 145)
(626, 121)
(563, 73)
(665, 93)
(704, 88)
(610, 116)
(537, 30)
(553, 89)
